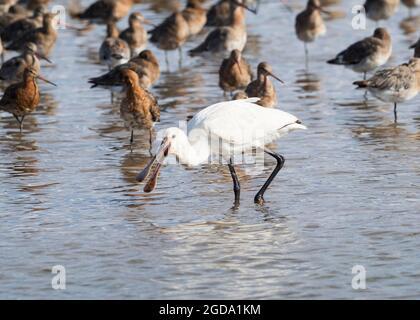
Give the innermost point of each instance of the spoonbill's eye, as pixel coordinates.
(173, 136)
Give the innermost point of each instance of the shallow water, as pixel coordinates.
(348, 194)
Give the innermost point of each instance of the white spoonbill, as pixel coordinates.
(238, 125)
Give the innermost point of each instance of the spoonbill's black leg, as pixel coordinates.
(395, 112)
(236, 185)
(259, 197)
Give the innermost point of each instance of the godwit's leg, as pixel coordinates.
(180, 57)
(236, 185)
(231, 94)
(131, 140)
(20, 121)
(167, 60)
(364, 75)
(306, 55)
(150, 142)
(112, 97)
(259, 197)
(395, 112)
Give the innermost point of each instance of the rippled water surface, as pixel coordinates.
(348, 194)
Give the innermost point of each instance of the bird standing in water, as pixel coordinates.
(104, 11)
(22, 98)
(234, 73)
(14, 68)
(367, 54)
(377, 10)
(225, 39)
(396, 85)
(135, 35)
(145, 65)
(113, 50)
(139, 109)
(44, 37)
(411, 4)
(171, 34)
(262, 87)
(310, 24)
(235, 124)
(195, 16)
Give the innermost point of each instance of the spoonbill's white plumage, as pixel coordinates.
(238, 125)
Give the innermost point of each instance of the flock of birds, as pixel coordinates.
(26, 26)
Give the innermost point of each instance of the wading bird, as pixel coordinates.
(44, 37)
(14, 68)
(139, 109)
(381, 9)
(262, 87)
(225, 39)
(145, 65)
(310, 24)
(22, 98)
(104, 11)
(234, 73)
(171, 34)
(19, 27)
(135, 35)
(367, 54)
(113, 50)
(195, 16)
(395, 85)
(236, 125)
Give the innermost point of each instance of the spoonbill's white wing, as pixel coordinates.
(242, 123)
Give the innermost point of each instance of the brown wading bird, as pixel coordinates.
(15, 13)
(309, 24)
(22, 98)
(135, 35)
(381, 9)
(44, 37)
(219, 14)
(228, 38)
(145, 65)
(416, 48)
(139, 109)
(113, 50)
(171, 34)
(395, 85)
(14, 68)
(104, 11)
(5, 5)
(234, 73)
(262, 87)
(195, 16)
(367, 54)
(34, 4)
(20, 26)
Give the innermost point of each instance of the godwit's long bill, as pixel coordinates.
(367, 54)
(395, 85)
(240, 125)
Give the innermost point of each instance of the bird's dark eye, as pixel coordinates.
(173, 136)
(298, 122)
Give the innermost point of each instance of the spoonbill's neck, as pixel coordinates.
(192, 154)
